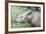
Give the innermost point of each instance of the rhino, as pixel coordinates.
(30, 17)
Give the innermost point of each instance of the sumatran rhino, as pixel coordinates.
(30, 17)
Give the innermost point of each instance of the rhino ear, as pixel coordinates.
(16, 16)
(29, 13)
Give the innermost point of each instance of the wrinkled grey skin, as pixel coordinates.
(30, 17)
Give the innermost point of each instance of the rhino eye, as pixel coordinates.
(29, 13)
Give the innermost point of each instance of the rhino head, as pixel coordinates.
(21, 17)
